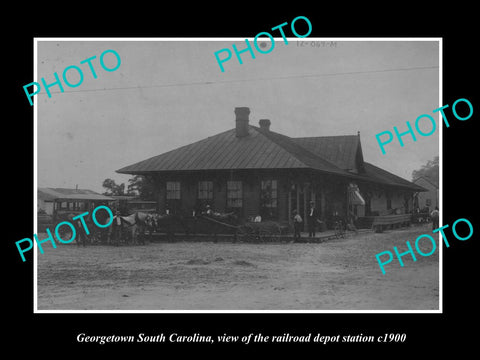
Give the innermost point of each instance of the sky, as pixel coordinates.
(168, 93)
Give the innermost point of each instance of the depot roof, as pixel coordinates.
(250, 147)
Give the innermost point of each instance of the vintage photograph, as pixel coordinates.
(262, 187)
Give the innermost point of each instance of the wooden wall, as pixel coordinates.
(328, 192)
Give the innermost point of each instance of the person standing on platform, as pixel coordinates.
(208, 210)
(311, 219)
(435, 216)
(117, 227)
(297, 224)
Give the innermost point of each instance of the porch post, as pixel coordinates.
(304, 185)
(289, 214)
(297, 188)
(322, 204)
(347, 201)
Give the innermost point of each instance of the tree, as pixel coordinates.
(143, 186)
(113, 188)
(430, 171)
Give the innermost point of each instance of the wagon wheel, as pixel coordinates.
(259, 233)
(93, 238)
(263, 234)
(253, 234)
(276, 233)
(98, 237)
(266, 234)
(65, 233)
(339, 231)
(240, 233)
(247, 233)
(106, 235)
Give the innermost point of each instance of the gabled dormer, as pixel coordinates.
(345, 151)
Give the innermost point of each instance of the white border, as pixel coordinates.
(342, 39)
(440, 175)
(35, 189)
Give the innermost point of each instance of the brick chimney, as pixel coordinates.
(264, 124)
(241, 121)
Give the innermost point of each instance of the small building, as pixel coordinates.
(426, 200)
(252, 170)
(54, 200)
(45, 201)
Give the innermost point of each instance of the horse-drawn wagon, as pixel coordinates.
(247, 231)
(263, 231)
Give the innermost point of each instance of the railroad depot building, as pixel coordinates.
(253, 170)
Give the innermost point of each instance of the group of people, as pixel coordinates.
(435, 218)
(311, 217)
(312, 221)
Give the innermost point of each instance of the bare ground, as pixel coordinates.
(334, 275)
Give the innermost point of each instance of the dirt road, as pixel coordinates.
(335, 275)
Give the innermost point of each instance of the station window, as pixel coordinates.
(205, 190)
(268, 199)
(173, 203)
(268, 194)
(234, 194)
(173, 190)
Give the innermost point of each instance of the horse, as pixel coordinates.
(136, 225)
(143, 222)
(123, 228)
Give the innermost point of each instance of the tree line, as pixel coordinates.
(138, 185)
(430, 171)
